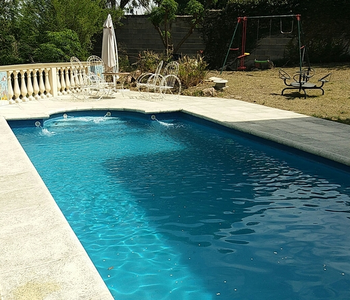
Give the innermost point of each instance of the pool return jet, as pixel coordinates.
(299, 81)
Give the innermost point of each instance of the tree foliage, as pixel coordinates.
(8, 42)
(82, 16)
(59, 46)
(162, 16)
(32, 30)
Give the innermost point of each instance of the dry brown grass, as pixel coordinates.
(264, 87)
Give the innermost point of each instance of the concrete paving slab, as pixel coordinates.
(40, 255)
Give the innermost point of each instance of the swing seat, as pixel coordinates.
(263, 64)
(302, 85)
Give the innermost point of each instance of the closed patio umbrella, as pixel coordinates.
(109, 46)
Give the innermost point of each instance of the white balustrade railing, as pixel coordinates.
(28, 82)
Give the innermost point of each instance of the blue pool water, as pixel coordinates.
(173, 209)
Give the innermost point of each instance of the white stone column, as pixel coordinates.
(63, 84)
(30, 85)
(59, 93)
(82, 78)
(9, 86)
(24, 90)
(41, 84)
(53, 81)
(67, 81)
(73, 84)
(47, 83)
(35, 84)
(16, 90)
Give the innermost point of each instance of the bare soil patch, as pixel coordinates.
(264, 87)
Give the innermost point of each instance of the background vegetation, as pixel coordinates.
(54, 30)
(50, 30)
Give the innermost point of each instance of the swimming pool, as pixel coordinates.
(174, 209)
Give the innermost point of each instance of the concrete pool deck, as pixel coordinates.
(40, 254)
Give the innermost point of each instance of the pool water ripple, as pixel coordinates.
(182, 211)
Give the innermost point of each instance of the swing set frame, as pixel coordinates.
(244, 21)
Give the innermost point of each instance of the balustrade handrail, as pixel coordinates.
(26, 82)
(33, 66)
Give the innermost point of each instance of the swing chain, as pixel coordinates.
(286, 32)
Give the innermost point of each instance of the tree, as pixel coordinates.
(59, 46)
(197, 10)
(85, 17)
(34, 19)
(50, 30)
(9, 46)
(166, 13)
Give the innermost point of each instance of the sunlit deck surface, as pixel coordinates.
(40, 254)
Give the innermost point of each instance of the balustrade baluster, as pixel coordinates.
(9, 85)
(30, 85)
(63, 84)
(58, 82)
(73, 82)
(41, 84)
(82, 77)
(16, 89)
(24, 90)
(67, 81)
(35, 84)
(47, 83)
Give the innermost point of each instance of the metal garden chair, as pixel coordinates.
(79, 79)
(163, 83)
(98, 86)
(149, 81)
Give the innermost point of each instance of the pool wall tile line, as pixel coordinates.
(40, 254)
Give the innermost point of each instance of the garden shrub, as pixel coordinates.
(192, 71)
(148, 61)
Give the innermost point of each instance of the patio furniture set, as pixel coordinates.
(93, 81)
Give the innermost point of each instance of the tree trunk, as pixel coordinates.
(190, 31)
(160, 34)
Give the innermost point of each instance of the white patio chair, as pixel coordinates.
(98, 86)
(170, 83)
(171, 68)
(170, 87)
(79, 79)
(149, 81)
(163, 83)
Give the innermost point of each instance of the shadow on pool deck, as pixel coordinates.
(40, 254)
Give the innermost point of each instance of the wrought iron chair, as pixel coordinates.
(98, 86)
(149, 81)
(163, 83)
(170, 83)
(79, 79)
